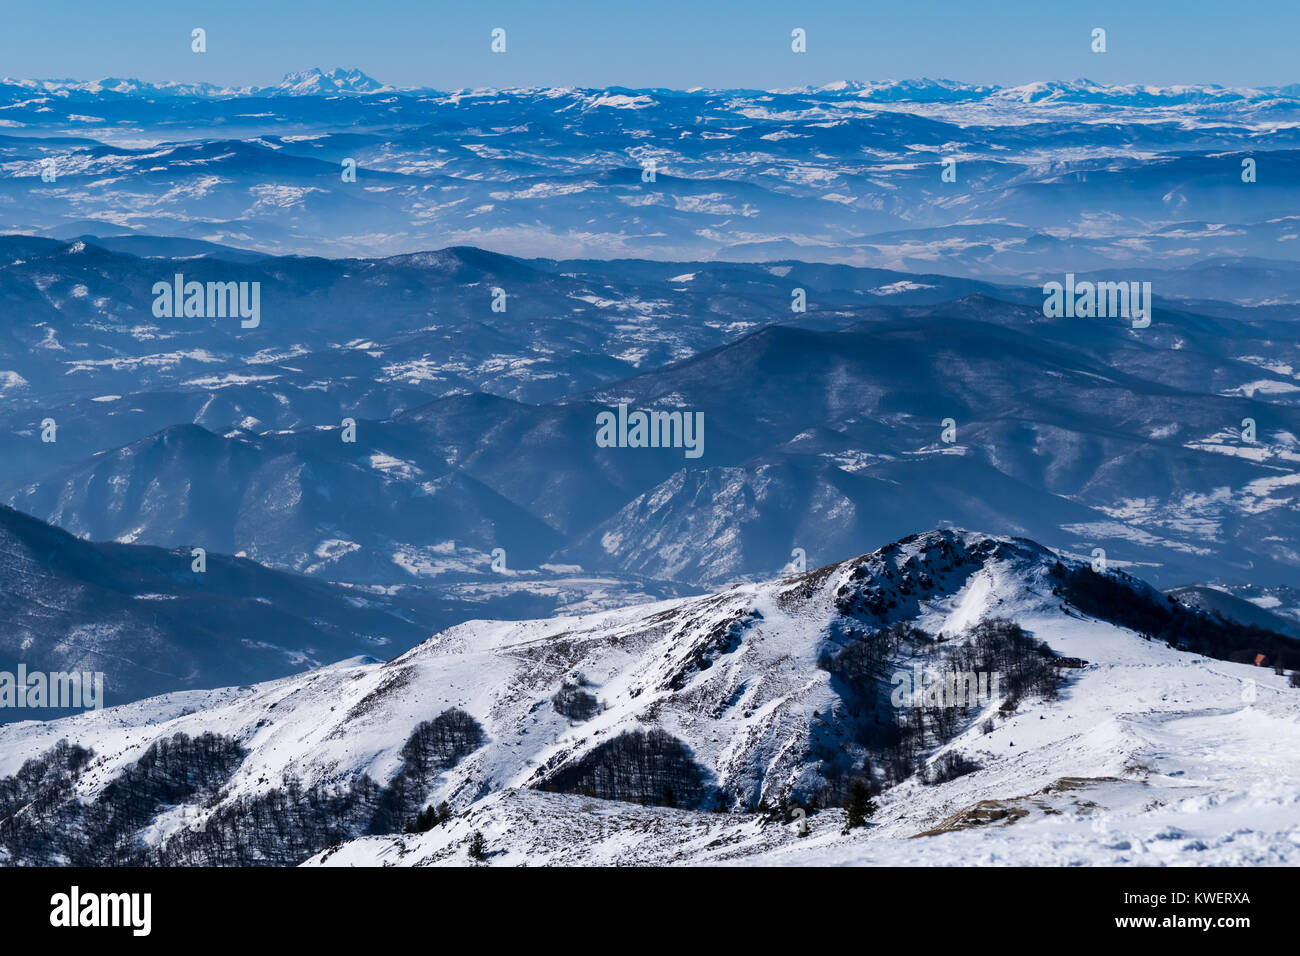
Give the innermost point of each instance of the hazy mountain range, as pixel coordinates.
(1049, 177)
(318, 82)
(476, 430)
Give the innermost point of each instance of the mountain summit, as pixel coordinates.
(678, 730)
(317, 82)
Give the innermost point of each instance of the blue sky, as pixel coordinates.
(657, 43)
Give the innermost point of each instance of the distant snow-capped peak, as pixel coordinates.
(312, 82)
(340, 81)
(315, 82)
(1079, 91)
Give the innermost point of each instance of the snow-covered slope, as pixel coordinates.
(1147, 754)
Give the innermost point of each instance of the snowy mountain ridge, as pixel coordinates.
(734, 702)
(312, 82)
(316, 81)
